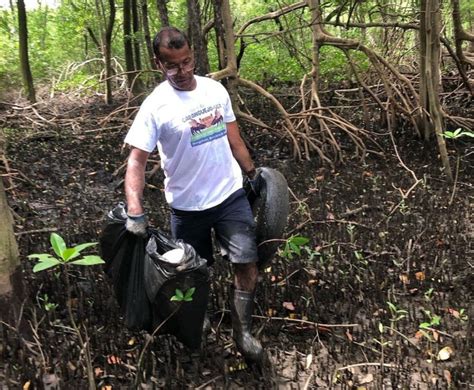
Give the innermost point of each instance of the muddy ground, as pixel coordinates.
(345, 313)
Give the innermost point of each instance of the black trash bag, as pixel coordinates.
(270, 207)
(162, 280)
(144, 280)
(124, 256)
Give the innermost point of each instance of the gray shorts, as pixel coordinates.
(233, 224)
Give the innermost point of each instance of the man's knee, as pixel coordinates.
(246, 276)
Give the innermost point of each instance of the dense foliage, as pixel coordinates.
(62, 52)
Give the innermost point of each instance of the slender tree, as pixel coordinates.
(163, 12)
(197, 37)
(147, 34)
(128, 43)
(24, 59)
(430, 79)
(106, 43)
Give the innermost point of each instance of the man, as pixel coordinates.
(202, 160)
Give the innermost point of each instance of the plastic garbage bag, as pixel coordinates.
(270, 208)
(146, 272)
(124, 256)
(184, 319)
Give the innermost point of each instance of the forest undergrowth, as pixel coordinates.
(380, 295)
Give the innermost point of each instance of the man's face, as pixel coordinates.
(178, 66)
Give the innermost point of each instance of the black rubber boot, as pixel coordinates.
(241, 309)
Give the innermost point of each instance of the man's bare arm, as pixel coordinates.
(135, 180)
(239, 150)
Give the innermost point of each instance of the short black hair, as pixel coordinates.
(171, 38)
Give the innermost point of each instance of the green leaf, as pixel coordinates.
(436, 320)
(188, 299)
(425, 325)
(58, 244)
(179, 296)
(189, 293)
(295, 248)
(69, 253)
(79, 248)
(381, 327)
(391, 306)
(299, 240)
(41, 256)
(45, 264)
(89, 260)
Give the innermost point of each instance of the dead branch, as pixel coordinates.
(272, 15)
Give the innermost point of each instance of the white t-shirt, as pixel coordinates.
(189, 129)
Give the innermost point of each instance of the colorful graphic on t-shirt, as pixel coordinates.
(207, 128)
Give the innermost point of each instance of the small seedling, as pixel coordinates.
(433, 320)
(403, 207)
(429, 294)
(462, 315)
(396, 313)
(64, 255)
(458, 133)
(351, 230)
(381, 342)
(360, 258)
(183, 297)
(293, 245)
(48, 306)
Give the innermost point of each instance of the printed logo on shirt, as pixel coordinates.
(207, 128)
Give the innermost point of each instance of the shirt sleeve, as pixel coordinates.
(144, 132)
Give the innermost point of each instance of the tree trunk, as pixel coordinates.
(147, 34)
(136, 31)
(197, 38)
(460, 35)
(430, 56)
(163, 12)
(108, 52)
(11, 287)
(220, 33)
(24, 60)
(128, 43)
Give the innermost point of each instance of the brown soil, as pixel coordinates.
(319, 313)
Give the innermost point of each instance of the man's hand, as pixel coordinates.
(255, 180)
(137, 224)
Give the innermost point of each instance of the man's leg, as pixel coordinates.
(245, 276)
(235, 231)
(242, 306)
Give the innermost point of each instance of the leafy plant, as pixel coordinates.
(360, 258)
(64, 255)
(433, 320)
(396, 313)
(458, 133)
(429, 294)
(183, 297)
(381, 342)
(293, 245)
(351, 230)
(48, 306)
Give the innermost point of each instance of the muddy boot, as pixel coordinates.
(241, 308)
